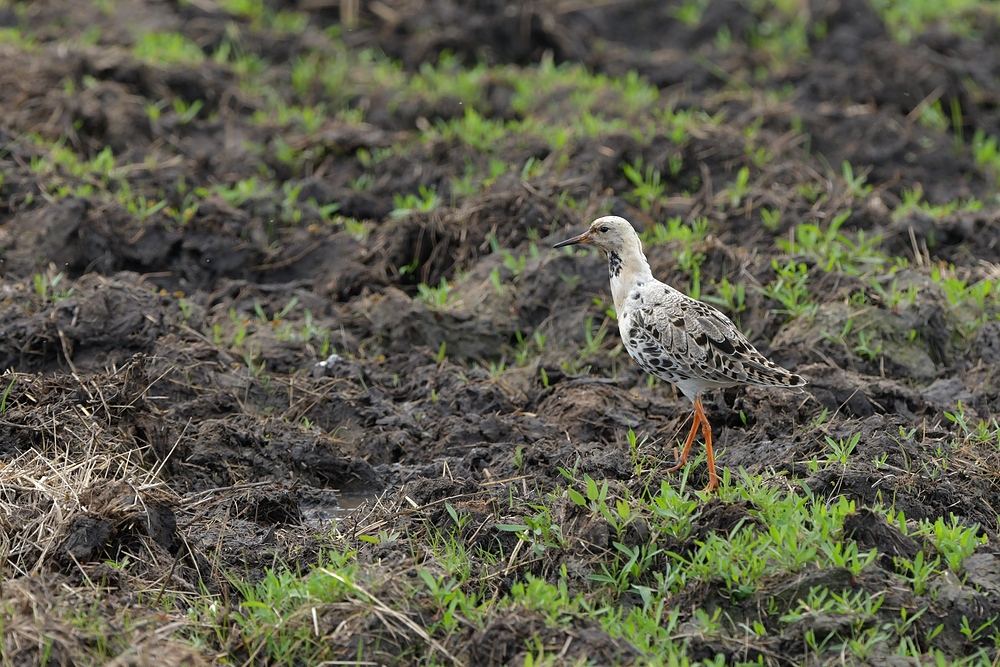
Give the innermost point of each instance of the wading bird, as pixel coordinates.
(674, 337)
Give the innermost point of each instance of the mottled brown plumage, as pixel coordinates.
(674, 337)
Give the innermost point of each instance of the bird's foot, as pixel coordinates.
(677, 466)
(713, 484)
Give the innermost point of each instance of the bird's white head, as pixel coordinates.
(626, 263)
(611, 234)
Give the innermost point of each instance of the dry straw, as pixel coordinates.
(77, 493)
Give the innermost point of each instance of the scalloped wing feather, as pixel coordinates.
(689, 342)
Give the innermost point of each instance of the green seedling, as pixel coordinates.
(790, 289)
(648, 187)
(438, 298)
(410, 203)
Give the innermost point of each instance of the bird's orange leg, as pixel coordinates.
(706, 428)
(682, 459)
(699, 421)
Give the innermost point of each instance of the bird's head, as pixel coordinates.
(610, 233)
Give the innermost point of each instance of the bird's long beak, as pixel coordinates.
(582, 238)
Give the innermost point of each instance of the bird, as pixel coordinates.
(681, 340)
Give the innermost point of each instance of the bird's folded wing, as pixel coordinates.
(700, 340)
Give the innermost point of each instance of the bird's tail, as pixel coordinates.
(773, 375)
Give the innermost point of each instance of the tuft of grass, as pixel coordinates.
(834, 250)
(439, 297)
(648, 187)
(790, 288)
(481, 133)
(675, 229)
(167, 48)
(410, 203)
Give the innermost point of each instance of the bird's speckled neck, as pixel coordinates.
(628, 268)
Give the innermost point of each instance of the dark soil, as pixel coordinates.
(159, 347)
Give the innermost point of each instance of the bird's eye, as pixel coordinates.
(604, 229)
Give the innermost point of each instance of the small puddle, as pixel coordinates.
(348, 502)
(319, 514)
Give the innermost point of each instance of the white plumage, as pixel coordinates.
(674, 337)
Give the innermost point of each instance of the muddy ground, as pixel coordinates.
(164, 403)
